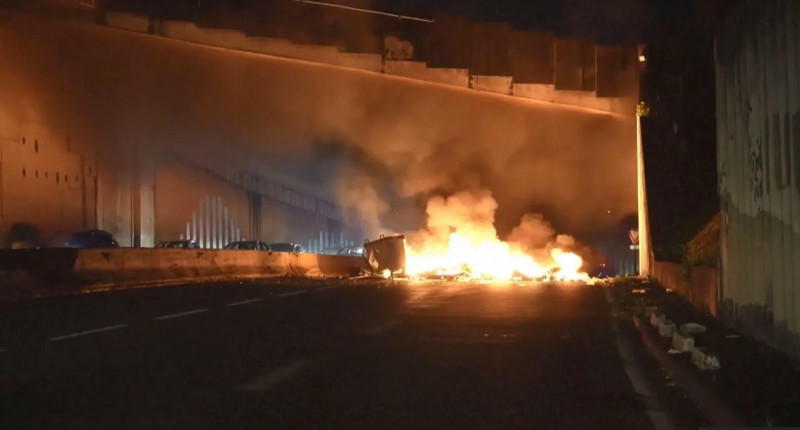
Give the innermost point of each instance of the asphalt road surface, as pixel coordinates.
(317, 355)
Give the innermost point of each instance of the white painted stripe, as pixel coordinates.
(181, 314)
(270, 380)
(382, 327)
(88, 332)
(292, 293)
(244, 302)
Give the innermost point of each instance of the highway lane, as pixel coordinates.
(317, 355)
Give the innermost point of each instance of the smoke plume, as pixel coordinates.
(117, 92)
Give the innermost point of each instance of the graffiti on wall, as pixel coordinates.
(757, 174)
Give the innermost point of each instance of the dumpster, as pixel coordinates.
(387, 253)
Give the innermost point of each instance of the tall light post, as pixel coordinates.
(643, 216)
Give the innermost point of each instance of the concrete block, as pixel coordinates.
(585, 99)
(371, 62)
(494, 84)
(692, 328)
(409, 69)
(666, 328)
(704, 359)
(320, 54)
(682, 342)
(656, 318)
(128, 21)
(271, 46)
(232, 39)
(543, 92)
(183, 30)
(456, 77)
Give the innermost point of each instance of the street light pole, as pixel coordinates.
(643, 216)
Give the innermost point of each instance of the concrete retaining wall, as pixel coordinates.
(703, 283)
(671, 275)
(502, 52)
(700, 288)
(234, 39)
(757, 61)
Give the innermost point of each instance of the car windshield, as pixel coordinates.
(282, 247)
(243, 245)
(352, 250)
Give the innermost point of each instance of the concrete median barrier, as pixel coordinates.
(43, 272)
(128, 21)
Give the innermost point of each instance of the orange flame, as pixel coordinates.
(461, 241)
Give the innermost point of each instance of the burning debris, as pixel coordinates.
(461, 243)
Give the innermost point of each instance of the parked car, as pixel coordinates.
(91, 239)
(252, 245)
(23, 235)
(185, 244)
(330, 251)
(287, 247)
(353, 251)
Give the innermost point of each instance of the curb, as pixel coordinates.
(711, 406)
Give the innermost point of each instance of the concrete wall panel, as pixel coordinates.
(756, 66)
(191, 204)
(494, 84)
(609, 69)
(42, 182)
(532, 57)
(569, 64)
(449, 42)
(491, 49)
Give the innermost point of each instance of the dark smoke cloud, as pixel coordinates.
(122, 93)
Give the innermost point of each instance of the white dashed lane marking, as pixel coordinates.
(270, 380)
(244, 302)
(180, 314)
(292, 293)
(88, 332)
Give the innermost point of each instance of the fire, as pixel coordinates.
(461, 241)
(490, 259)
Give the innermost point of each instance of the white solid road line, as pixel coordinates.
(87, 332)
(655, 410)
(180, 314)
(292, 293)
(270, 380)
(244, 302)
(382, 327)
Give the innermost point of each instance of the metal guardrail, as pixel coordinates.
(358, 9)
